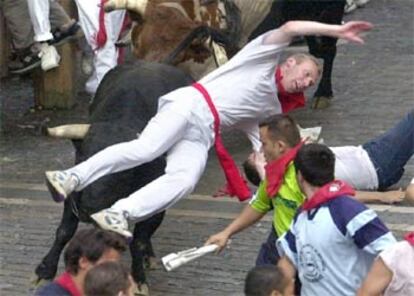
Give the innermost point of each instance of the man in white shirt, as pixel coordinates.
(243, 92)
(375, 165)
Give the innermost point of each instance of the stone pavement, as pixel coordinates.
(373, 85)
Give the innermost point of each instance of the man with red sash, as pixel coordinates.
(237, 95)
(279, 192)
(89, 247)
(334, 238)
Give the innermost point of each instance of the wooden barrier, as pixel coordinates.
(56, 88)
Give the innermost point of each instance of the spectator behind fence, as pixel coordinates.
(108, 279)
(334, 238)
(266, 280)
(392, 272)
(89, 247)
(25, 40)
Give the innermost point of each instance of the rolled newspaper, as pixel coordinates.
(175, 260)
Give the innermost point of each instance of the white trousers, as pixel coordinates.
(39, 15)
(186, 159)
(106, 57)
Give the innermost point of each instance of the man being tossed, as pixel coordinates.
(239, 94)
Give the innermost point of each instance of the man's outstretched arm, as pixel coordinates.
(350, 31)
(247, 217)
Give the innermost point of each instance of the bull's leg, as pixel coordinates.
(325, 49)
(141, 246)
(274, 19)
(46, 270)
(149, 254)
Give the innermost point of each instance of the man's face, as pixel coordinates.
(298, 77)
(270, 148)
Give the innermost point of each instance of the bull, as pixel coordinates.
(125, 101)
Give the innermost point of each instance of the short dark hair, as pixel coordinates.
(106, 279)
(92, 244)
(316, 163)
(251, 173)
(262, 280)
(282, 127)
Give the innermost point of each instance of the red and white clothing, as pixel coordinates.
(243, 92)
(105, 57)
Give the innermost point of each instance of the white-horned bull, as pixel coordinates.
(175, 31)
(119, 111)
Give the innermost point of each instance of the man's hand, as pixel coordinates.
(221, 239)
(392, 196)
(259, 162)
(352, 31)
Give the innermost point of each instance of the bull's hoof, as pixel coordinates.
(151, 263)
(141, 290)
(321, 102)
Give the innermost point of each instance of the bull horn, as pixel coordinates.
(69, 131)
(220, 54)
(138, 6)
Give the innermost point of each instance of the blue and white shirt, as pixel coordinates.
(333, 246)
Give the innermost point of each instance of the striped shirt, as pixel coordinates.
(333, 246)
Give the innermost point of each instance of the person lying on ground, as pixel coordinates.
(371, 168)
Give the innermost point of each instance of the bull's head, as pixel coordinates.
(161, 26)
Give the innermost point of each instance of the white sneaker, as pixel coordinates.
(112, 220)
(350, 6)
(49, 57)
(60, 184)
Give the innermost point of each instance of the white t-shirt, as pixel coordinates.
(400, 260)
(354, 166)
(243, 90)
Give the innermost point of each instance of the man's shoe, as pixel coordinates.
(61, 36)
(49, 57)
(24, 63)
(60, 184)
(112, 220)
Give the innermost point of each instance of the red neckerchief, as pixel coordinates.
(236, 185)
(326, 193)
(276, 170)
(288, 101)
(101, 36)
(65, 281)
(409, 237)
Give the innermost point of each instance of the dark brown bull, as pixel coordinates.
(175, 31)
